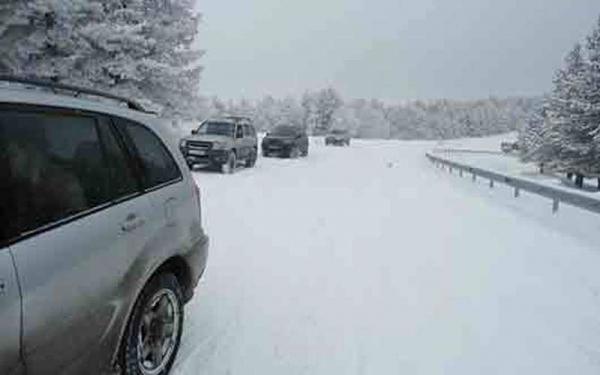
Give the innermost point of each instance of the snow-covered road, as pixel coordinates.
(367, 260)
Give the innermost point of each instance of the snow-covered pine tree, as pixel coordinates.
(326, 103)
(13, 28)
(290, 112)
(143, 49)
(531, 140)
(309, 110)
(39, 37)
(566, 140)
(591, 93)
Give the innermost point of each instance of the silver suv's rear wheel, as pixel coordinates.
(154, 331)
(251, 161)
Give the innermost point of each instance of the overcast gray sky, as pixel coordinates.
(388, 49)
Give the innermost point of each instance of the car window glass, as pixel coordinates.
(52, 167)
(216, 128)
(286, 131)
(158, 166)
(239, 132)
(122, 179)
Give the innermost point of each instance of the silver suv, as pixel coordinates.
(101, 241)
(223, 143)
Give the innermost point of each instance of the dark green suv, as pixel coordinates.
(287, 141)
(223, 143)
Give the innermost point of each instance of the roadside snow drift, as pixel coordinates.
(368, 260)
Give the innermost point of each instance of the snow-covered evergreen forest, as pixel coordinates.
(147, 50)
(563, 134)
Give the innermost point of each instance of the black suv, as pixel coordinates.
(338, 137)
(223, 143)
(287, 141)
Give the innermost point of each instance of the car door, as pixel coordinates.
(10, 316)
(254, 137)
(79, 228)
(10, 295)
(250, 138)
(240, 142)
(163, 184)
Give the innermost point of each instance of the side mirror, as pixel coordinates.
(194, 131)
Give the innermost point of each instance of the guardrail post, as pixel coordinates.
(517, 192)
(491, 183)
(555, 204)
(474, 177)
(460, 172)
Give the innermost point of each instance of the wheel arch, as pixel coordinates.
(181, 270)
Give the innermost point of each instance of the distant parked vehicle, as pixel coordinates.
(224, 143)
(509, 147)
(338, 137)
(285, 141)
(101, 242)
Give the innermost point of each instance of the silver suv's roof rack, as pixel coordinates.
(76, 90)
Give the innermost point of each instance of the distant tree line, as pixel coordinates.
(323, 110)
(563, 134)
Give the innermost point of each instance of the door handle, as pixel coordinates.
(2, 287)
(132, 222)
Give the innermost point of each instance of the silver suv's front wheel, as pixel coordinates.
(154, 331)
(229, 166)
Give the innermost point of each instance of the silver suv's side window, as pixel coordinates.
(249, 131)
(53, 167)
(156, 163)
(123, 180)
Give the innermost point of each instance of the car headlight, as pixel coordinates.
(183, 143)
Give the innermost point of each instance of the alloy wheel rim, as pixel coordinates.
(157, 332)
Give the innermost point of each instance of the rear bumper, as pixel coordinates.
(196, 259)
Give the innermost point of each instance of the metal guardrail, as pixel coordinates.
(468, 151)
(557, 196)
